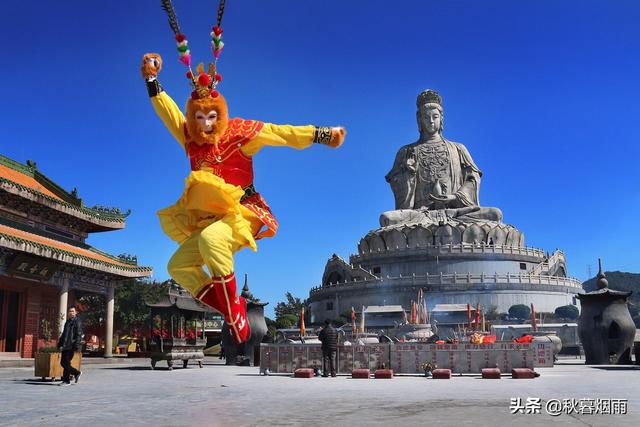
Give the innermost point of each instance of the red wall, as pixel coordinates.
(36, 300)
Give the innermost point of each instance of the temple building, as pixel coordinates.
(45, 264)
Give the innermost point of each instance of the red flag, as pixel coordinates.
(477, 316)
(469, 314)
(414, 313)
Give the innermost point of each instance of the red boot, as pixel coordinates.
(221, 295)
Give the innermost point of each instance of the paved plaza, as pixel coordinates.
(130, 393)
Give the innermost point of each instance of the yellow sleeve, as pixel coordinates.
(281, 135)
(170, 115)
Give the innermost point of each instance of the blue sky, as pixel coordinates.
(544, 95)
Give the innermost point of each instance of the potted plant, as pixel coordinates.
(47, 359)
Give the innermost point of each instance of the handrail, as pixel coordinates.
(459, 280)
(549, 263)
(462, 248)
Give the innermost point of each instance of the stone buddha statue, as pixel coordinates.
(434, 179)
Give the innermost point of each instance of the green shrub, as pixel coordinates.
(520, 311)
(567, 312)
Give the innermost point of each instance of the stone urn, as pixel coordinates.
(605, 326)
(550, 337)
(419, 332)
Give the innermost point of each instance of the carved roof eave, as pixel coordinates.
(60, 255)
(101, 221)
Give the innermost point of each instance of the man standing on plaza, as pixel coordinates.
(329, 338)
(69, 342)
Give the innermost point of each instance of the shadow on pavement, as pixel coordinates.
(216, 365)
(616, 368)
(136, 368)
(37, 382)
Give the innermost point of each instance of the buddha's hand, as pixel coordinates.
(454, 213)
(151, 66)
(444, 198)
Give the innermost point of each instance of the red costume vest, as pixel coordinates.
(229, 163)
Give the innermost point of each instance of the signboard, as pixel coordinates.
(285, 359)
(290, 357)
(268, 358)
(314, 358)
(33, 268)
(299, 357)
(470, 358)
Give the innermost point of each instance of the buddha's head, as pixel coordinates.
(430, 114)
(207, 119)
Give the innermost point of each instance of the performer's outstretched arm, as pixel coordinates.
(165, 107)
(170, 115)
(294, 136)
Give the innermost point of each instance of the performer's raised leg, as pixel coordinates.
(186, 266)
(217, 244)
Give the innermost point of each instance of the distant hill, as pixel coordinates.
(618, 280)
(621, 281)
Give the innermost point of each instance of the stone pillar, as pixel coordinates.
(62, 305)
(108, 341)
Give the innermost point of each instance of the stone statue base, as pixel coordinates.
(421, 227)
(440, 216)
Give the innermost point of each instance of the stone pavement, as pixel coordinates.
(130, 393)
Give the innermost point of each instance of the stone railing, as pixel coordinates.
(464, 248)
(549, 264)
(460, 282)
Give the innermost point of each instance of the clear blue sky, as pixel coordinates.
(544, 94)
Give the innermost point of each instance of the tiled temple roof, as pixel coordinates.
(18, 239)
(27, 182)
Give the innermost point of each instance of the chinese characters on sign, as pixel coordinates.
(32, 267)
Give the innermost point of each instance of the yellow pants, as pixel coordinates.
(214, 247)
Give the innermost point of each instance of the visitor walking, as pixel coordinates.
(69, 342)
(329, 338)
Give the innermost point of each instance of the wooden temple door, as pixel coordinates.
(10, 322)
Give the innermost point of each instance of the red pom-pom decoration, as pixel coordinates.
(204, 79)
(189, 75)
(214, 94)
(194, 95)
(218, 78)
(180, 38)
(217, 30)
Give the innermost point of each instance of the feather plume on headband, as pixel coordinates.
(203, 83)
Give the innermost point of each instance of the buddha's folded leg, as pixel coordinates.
(485, 214)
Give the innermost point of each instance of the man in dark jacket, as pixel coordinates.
(329, 338)
(69, 342)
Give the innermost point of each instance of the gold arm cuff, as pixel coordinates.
(322, 135)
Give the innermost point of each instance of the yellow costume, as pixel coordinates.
(208, 221)
(219, 212)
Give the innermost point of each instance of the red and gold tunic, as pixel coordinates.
(227, 161)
